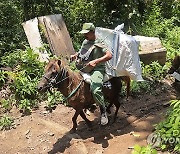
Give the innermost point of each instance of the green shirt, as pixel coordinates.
(96, 53)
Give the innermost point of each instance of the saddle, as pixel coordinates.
(86, 77)
(106, 83)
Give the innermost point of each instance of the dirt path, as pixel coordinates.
(43, 132)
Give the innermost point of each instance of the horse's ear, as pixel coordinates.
(59, 62)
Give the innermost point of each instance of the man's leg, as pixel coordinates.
(96, 88)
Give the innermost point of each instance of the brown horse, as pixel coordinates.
(58, 75)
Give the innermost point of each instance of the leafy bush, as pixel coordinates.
(27, 70)
(6, 104)
(169, 129)
(6, 122)
(54, 99)
(11, 59)
(25, 60)
(162, 20)
(154, 71)
(72, 66)
(11, 31)
(139, 87)
(24, 86)
(26, 105)
(172, 42)
(3, 77)
(144, 150)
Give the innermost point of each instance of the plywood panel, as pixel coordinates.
(34, 38)
(57, 35)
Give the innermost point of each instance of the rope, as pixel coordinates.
(70, 75)
(74, 91)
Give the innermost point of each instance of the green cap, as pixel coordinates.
(87, 27)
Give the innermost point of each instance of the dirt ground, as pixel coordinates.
(48, 133)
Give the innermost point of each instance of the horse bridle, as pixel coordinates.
(61, 76)
(57, 79)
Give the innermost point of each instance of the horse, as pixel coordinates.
(76, 90)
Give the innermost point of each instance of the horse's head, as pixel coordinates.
(54, 72)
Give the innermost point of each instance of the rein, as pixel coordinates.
(74, 91)
(62, 74)
(53, 81)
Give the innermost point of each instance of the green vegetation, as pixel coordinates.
(54, 99)
(144, 150)
(25, 75)
(153, 74)
(6, 122)
(169, 129)
(149, 18)
(154, 18)
(6, 104)
(154, 71)
(139, 87)
(3, 77)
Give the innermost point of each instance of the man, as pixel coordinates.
(98, 54)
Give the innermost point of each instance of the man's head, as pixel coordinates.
(88, 30)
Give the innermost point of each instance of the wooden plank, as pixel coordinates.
(57, 35)
(34, 38)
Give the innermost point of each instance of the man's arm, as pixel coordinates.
(104, 58)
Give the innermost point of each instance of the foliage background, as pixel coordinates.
(143, 17)
(155, 18)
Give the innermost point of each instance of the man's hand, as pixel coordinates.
(73, 57)
(104, 58)
(92, 63)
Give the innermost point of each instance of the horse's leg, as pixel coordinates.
(74, 118)
(117, 104)
(108, 108)
(117, 85)
(88, 122)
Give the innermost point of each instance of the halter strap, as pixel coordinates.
(74, 91)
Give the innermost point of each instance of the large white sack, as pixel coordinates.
(124, 48)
